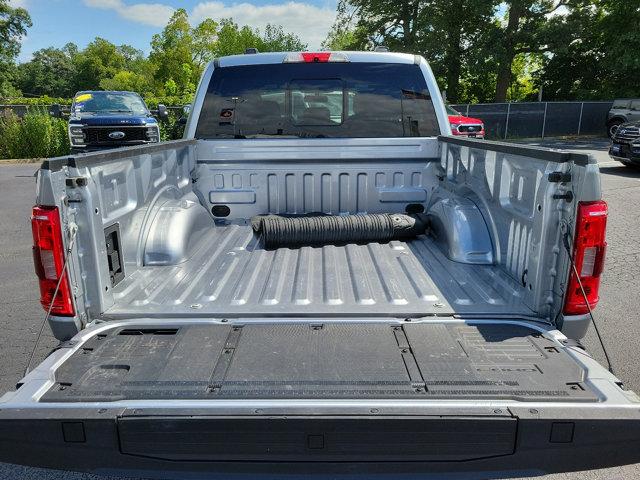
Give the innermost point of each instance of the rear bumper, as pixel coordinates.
(267, 441)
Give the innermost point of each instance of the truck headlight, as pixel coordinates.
(76, 136)
(454, 126)
(153, 134)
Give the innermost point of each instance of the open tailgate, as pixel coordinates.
(159, 398)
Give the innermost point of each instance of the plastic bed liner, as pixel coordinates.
(330, 360)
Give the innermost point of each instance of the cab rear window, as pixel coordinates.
(317, 100)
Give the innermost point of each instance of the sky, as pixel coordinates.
(133, 22)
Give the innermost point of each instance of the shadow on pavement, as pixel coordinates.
(621, 171)
(571, 144)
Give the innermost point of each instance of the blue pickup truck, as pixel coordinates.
(106, 119)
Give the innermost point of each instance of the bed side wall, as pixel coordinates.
(124, 191)
(524, 208)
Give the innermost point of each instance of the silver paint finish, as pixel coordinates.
(129, 187)
(176, 228)
(231, 274)
(460, 230)
(328, 186)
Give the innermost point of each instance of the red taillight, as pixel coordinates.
(48, 258)
(588, 257)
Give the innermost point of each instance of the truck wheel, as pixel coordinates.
(612, 127)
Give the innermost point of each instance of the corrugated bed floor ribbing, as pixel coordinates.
(230, 274)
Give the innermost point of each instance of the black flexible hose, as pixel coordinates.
(279, 231)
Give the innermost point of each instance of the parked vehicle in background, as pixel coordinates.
(622, 111)
(190, 344)
(108, 119)
(625, 144)
(464, 126)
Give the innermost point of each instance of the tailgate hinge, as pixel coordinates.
(568, 196)
(75, 182)
(570, 342)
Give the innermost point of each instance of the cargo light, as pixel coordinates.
(315, 57)
(588, 257)
(49, 261)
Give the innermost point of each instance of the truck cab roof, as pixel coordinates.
(349, 56)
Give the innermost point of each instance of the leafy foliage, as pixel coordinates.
(36, 135)
(497, 50)
(43, 101)
(595, 52)
(13, 25)
(172, 70)
(50, 72)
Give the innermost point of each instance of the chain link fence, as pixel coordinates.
(506, 120)
(539, 119)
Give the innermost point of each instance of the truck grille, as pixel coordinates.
(626, 134)
(470, 128)
(101, 135)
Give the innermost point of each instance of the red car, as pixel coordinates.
(464, 126)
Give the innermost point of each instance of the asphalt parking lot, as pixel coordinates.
(618, 313)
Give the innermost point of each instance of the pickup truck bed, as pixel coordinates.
(190, 348)
(231, 274)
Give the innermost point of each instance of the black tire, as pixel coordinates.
(612, 126)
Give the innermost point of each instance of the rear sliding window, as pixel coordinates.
(317, 100)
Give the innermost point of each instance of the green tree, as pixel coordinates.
(340, 39)
(444, 31)
(180, 52)
(620, 44)
(346, 34)
(171, 56)
(136, 75)
(275, 39)
(127, 80)
(594, 52)
(49, 72)
(234, 40)
(456, 30)
(523, 29)
(101, 59)
(204, 38)
(13, 25)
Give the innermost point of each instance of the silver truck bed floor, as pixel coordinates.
(230, 274)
